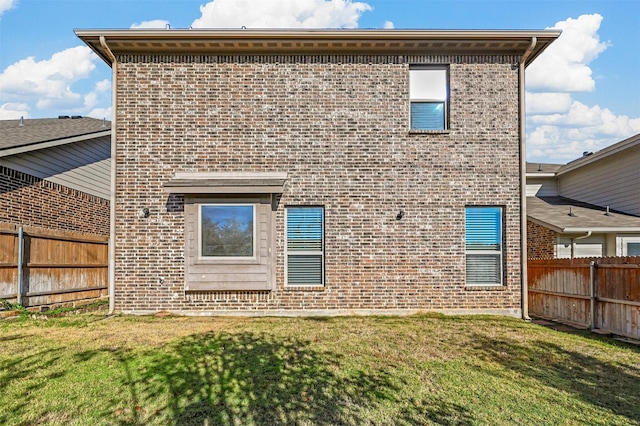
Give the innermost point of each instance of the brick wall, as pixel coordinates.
(31, 201)
(339, 126)
(541, 242)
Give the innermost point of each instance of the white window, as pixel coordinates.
(226, 231)
(628, 245)
(305, 246)
(429, 93)
(484, 247)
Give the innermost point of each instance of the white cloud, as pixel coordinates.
(100, 113)
(559, 128)
(155, 23)
(388, 25)
(548, 103)
(564, 137)
(48, 81)
(12, 111)
(6, 5)
(280, 14)
(103, 85)
(564, 65)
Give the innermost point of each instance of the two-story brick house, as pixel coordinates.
(318, 172)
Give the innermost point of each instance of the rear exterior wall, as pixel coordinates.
(339, 126)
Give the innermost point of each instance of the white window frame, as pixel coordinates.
(321, 252)
(622, 241)
(499, 252)
(253, 256)
(418, 93)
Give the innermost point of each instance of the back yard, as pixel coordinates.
(426, 369)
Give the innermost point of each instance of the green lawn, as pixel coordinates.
(426, 369)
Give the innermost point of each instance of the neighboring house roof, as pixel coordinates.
(550, 170)
(26, 135)
(542, 169)
(554, 213)
(75, 153)
(589, 158)
(526, 43)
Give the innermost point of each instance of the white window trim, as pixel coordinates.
(227, 259)
(306, 252)
(622, 241)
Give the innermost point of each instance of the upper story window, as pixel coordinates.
(429, 93)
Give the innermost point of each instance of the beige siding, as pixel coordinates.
(231, 274)
(613, 181)
(541, 187)
(593, 246)
(84, 166)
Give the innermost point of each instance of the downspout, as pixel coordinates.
(573, 244)
(523, 184)
(112, 203)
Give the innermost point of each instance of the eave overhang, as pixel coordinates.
(584, 229)
(52, 143)
(274, 42)
(226, 183)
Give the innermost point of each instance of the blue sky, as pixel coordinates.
(582, 95)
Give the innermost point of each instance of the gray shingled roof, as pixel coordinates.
(553, 213)
(39, 130)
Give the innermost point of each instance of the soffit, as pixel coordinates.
(226, 42)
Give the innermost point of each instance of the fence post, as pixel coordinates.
(592, 291)
(20, 261)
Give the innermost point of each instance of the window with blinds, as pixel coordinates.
(428, 91)
(305, 246)
(484, 247)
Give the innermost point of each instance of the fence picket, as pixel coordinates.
(559, 290)
(61, 267)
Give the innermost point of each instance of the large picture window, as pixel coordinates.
(305, 246)
(484, 247)
(227, 231)
(428, 90)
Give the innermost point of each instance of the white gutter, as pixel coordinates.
(573, 242)
(112, 203)
(523, 184)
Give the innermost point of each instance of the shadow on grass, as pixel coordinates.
(251, 378)
(609, 386)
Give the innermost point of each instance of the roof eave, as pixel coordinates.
(220, 41)
(51, 143)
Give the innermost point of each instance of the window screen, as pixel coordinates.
(483, 232)
(305, 246)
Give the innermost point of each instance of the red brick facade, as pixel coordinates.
(541, 242)
(339, 126)
(31, 201)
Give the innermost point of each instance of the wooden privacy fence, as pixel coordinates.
(601, 293)
(45, 267)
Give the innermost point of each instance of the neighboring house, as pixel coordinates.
(318, 172)
(55, 173)
(588, 207)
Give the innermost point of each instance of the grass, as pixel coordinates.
(427, 369)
